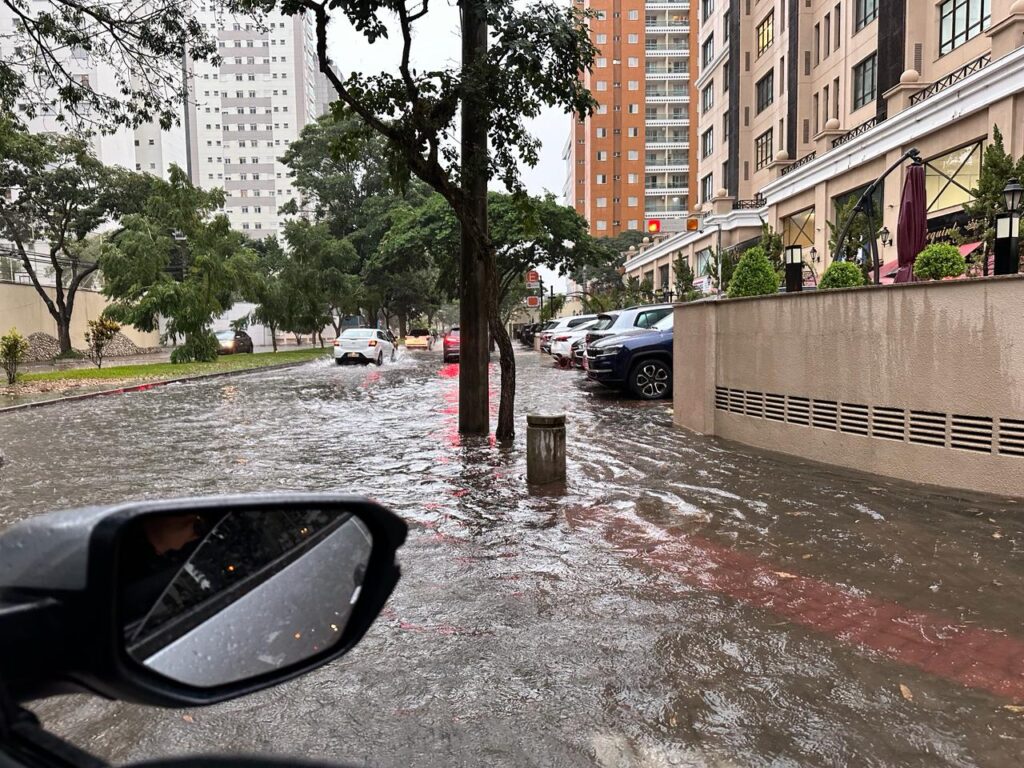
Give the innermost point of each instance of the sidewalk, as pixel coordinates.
(161, 356)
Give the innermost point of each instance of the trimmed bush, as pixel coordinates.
(841, 274)
(198, 348)
(13, 349)
(939, 260)
(98, 337)
(754, 275)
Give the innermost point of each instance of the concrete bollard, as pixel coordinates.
(545, 448)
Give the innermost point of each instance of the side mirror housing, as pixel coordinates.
(191, 601)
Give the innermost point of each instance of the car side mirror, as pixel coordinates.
(191, 601)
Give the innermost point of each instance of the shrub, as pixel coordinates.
(99, 334)
(754, 275)
(199, 348)
(841, 274)
(13, 348)
(939, 260)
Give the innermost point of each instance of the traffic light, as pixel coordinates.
(653, 226)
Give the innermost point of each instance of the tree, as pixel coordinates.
(13, 348)
(997, 168)
(320, 271)
(516, 60)
(180, 260)
(754, 275)
(140, 43)
(98, 336)
(684, 279)
(728, 261)
(269, 291)
(402, 271)
(61, 194)
(858, 236)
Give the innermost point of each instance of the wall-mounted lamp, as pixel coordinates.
(814, 255)
(885, 236)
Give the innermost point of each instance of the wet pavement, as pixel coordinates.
(684, 603)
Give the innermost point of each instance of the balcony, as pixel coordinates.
(655, 190)
(661, 210)
(669, 165)
(667, 5)
(666, 143)
(655, 75)
(663, 25)
(667, 122)
(654, 51)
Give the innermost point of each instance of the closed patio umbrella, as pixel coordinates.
(912, 229)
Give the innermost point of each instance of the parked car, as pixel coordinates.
(231, 342)
(529, 333)
(562, 341)
(419, 338)
(561, 324)
(639, 360)
(450, 345)
(363, 345)
(617, 321)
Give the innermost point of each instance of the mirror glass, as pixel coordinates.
(217, 597)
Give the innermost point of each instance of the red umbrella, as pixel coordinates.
(912, 229)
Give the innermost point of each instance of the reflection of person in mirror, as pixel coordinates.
(152, 553)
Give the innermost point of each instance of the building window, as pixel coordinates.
(798, 229)
(601, 202)
(707, 190)
(633, 154)
(725, 127)
(633, 132)
(633, 38)
(864, 78)
(599, 179)
(707, 7)
(601, 62)
(633, 85)
(763, 150)
(602, 155)
(634, 16)
(601, 39)
(632, 202)
(765, 91)
(602, 225)
(707, 97)
(634, 109)
(707, 142)
(866, 12)
(601, 132)
(766, 33)
(602, 85)
(707, 50)
(633, 61)
(960, 20)
(963, 166)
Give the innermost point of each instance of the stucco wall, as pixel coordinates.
(21, 308)
(922, 382)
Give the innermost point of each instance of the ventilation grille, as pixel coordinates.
(1011, 437)
(927, 428)
(807, 131)
(918, 56)
(979, 434)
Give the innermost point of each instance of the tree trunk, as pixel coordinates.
(474, 294)
(402, 324)
(507, 405)
(273, 336)
(64, 335)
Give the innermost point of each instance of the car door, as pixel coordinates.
(385, 341)
(649, 317)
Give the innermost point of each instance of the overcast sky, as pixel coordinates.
(436, 45)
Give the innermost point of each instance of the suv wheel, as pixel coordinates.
(651, 379)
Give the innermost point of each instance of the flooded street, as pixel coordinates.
(684, 603)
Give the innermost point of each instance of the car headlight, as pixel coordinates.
(605, 351)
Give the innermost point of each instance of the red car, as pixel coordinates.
(451, 345)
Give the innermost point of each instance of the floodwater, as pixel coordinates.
(683, 603)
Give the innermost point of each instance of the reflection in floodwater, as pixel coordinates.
(686, 602)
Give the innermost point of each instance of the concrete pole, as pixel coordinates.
(545, 448)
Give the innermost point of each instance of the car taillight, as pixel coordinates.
(337, 342)
(561, 338)
(373, 343)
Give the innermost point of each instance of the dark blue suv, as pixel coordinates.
(639, 360)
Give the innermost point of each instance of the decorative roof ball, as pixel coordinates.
(722, 192)
(832, 124)
(632, 248)
(911, 76)
(646, 240)
(1017, 7)
(781, 156)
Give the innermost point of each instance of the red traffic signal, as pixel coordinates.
(653, 226)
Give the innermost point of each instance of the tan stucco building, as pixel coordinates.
(855, 84)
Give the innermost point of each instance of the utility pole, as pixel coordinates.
(474, 292)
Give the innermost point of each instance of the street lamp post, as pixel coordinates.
(794, 255)
(1007, 244)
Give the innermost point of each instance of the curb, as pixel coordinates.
(150, 385)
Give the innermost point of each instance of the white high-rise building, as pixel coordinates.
(244, 112)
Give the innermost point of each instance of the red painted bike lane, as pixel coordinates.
(975, 657)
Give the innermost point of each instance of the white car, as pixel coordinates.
(562, 341)
(558, 326)
(363, 345)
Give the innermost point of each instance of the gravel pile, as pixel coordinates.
(121, 346)
(42, 347)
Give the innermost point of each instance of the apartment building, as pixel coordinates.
(629, 162)
(244, 112)
(824, 95)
